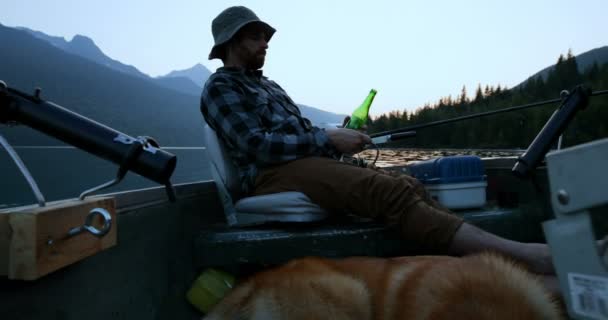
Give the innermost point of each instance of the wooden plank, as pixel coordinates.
(30, 254)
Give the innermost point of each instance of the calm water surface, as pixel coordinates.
(396, 157)
(64, 172)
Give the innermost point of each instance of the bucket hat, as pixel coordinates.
(229, 22)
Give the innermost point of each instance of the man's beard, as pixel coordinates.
(256, 61)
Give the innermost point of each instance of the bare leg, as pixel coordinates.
(470, 239)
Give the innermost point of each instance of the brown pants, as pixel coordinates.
(399, 201)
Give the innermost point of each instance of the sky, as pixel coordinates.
(329, 54)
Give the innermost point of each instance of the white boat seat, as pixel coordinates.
(279, 207)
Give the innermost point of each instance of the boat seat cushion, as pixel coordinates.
(279, 207)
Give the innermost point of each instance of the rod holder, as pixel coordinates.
(555, 126)
(149, 161)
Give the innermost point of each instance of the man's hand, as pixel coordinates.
(347, 140)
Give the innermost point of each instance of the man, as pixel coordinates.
(278, 150)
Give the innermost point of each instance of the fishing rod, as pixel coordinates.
(570, 104)
(392, 135)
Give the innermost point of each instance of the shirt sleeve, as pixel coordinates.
(227, 109)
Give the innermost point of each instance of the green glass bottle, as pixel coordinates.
(359, 117)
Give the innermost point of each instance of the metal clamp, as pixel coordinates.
(138, 145)
(88, 225)
(148, 143)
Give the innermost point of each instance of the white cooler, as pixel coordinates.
(457, 182)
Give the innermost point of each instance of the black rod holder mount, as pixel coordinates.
(577, 100)
(86, 134)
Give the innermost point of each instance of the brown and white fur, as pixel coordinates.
(484, 286)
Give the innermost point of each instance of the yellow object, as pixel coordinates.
(209, 288)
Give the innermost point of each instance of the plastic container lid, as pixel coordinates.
(453, 169)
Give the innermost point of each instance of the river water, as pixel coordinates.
(397, 157)
(64, 172)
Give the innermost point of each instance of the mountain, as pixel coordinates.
(86, 48)
(58, 42)
(180, 84)
(584, 61)
(187, 81)
(318, 116)
(198, 74)
(128, 103)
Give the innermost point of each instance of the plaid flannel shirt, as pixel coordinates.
(258, 122)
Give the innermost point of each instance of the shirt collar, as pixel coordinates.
(240, 70)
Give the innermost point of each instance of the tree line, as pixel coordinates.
(508, 130)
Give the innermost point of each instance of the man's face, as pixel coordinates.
(250, 46)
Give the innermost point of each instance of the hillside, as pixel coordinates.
(584, 61)
(86, 48)
(514, 129)
(198, 74)
(78, 76)
(189, 81)
(128, 103)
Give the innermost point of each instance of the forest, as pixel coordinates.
(507, 130)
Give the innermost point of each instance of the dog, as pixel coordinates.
(483, 286)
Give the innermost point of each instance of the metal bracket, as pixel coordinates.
(108, 184)
(578, 181)
(138, 145)
(578, 177)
